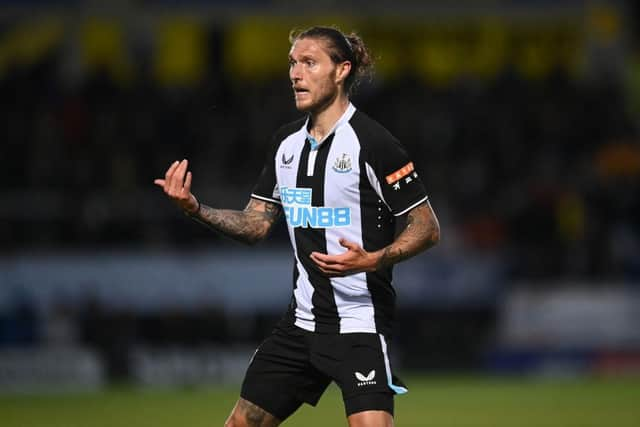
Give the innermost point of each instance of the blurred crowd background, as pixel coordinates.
(521, 116)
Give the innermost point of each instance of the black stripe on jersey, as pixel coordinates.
(290, 316)
(378, 230)
(310, 239)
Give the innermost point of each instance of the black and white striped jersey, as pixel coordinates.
(350, 185)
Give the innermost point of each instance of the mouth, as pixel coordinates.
(300, 90)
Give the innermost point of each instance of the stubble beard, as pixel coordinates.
(324, 102)
(327, 98)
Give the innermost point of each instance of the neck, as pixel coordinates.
(322, 121)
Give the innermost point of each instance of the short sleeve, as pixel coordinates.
(267, 186)
(393, 174)
(400, 185)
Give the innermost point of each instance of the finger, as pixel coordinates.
(168, 176)
(172, 168)
(159, 182)
(329, 268)
(329, 272)
(349, 245)
(177, 180)
(322, 265)
(187, 183)
(328, 259)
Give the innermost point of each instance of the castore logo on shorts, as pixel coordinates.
(368, 380)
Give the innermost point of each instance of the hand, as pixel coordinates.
(354, 260)
(178, 188)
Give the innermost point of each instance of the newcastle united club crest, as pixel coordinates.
(342, 164)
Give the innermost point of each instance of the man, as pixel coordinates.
(341, 179)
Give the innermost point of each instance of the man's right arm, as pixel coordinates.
(248, 226)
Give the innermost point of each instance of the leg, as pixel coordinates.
(370, 410)
(363, 373)
(278, 381)
(246, 414)
(371, 419)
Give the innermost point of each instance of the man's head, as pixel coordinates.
(325, 64)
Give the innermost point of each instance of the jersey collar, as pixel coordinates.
(346, 116)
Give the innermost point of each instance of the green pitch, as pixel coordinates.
(441, 402)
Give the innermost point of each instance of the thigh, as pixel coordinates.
(360, 365)
(280, 378)
(371, 419)
(378, 406)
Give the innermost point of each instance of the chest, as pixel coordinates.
(331, 172)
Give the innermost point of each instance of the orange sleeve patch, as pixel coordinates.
(400, 173)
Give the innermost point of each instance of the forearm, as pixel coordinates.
(247, 226)
(421, 233)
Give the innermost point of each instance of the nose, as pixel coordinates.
(294, 73)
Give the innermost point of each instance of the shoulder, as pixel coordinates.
(288, 129)
(278, 137)
(372, 136)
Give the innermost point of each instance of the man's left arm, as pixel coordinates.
(422, 231)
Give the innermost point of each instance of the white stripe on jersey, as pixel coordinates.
(352, 296)
(303, 294)
(311, 163)
(373, 180)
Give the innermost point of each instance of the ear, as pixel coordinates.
(342, 71)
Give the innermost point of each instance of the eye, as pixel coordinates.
(292, 63)
(310, 62)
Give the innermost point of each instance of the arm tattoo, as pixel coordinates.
(421, 232)
(256, 416)
(248, 226)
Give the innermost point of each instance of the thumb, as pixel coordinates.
(347, 244)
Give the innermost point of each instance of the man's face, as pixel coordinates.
(312, 74)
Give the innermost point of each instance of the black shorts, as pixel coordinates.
(294, 366)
